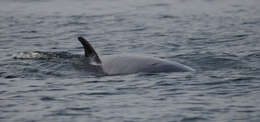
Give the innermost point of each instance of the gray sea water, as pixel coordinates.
(220, 39)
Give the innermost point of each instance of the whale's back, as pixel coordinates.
(127, 64)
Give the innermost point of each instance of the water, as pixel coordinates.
(218, 38)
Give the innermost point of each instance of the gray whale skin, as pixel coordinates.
(129, 64)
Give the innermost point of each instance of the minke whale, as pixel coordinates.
(129, 64)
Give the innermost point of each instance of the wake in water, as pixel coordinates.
(44, 55)
(39, 64)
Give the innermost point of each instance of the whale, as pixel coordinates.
(129, 63)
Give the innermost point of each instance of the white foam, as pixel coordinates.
(29, 55)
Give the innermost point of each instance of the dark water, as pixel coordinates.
(218, 38)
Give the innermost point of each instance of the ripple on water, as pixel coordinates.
(47, 98)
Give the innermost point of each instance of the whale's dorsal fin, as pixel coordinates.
(89, 50)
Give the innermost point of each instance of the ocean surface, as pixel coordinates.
(43, 77)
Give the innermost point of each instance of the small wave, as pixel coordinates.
(47, 98)
(29, 55)
(42, 55)
(41, 65)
